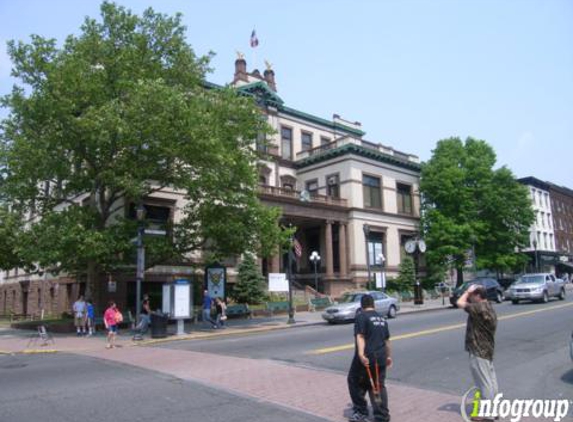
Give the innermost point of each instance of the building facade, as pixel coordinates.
(551, 233)
(562, 205)
(329, 182)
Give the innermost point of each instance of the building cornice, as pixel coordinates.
(358, 150)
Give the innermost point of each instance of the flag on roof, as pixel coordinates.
(254, 39)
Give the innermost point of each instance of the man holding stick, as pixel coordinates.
(372, 358)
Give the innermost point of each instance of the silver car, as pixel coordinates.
(345, 309)
(537, 287)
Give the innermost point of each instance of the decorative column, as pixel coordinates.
(329, 257)
(342, 250)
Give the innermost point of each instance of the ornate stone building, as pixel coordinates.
(328, 180)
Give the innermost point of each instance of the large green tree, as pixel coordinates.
(114, 115)
(469, 205)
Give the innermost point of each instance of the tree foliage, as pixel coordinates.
(467, 204)
(116, 114)
(250, 287)
(10, 227)
(407, 274)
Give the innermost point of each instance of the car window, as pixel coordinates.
(547, 278)
(350, 298)
(552, 277)
(530, 279)
(377, 296)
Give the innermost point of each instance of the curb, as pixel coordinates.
(209, 336)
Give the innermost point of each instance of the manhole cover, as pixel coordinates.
(13, 366)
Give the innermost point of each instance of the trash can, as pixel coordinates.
(418, 294)
(159, 325)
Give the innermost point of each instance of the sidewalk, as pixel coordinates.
(19, 341)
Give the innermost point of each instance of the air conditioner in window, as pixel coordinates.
(332, 180)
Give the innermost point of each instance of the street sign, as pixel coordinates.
(153, 232)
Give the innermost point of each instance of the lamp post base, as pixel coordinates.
(180, 327)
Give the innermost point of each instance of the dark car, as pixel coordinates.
(493, 288)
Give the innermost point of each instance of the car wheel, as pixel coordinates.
(514, 301)
(545, 298)
(499, 298)
(562, 294)
(392, 312)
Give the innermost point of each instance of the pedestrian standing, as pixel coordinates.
(221, 308)
(207, 305)
(372, 358)
(112, 318)
(480, 339)
(79, 309)
(90, 317)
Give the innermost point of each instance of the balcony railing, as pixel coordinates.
(295, 194)
(337, 143)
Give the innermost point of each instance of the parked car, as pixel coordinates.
(537, 287)
(493, 288)
(346, 308)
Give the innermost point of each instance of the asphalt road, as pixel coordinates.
(532, 358)
(70, 388)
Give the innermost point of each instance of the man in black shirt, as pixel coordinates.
(372, 350)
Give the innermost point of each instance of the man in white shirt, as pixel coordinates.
(80, 309)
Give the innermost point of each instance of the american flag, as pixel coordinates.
(297, 248)
(254, 39)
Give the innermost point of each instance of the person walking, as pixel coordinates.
(372, 358)
(90, 317)
(221, 308)
(480, 340)
(144, 318)
(79, 309)
(207, 305)
(112, 318)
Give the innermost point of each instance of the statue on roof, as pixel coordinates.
(269, 65)
(240, 56)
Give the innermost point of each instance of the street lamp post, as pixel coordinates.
(289, 272)
(315, 258)
(416, 247)
(366, 229)
(536, 257)
(140, 268)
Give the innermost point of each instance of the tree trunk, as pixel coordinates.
(460, 275)
(92, 285)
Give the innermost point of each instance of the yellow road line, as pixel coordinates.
(437, 330)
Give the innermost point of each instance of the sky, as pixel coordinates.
(411, 71)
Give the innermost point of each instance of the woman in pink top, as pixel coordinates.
(111, 318)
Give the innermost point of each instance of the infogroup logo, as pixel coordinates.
(516, 410)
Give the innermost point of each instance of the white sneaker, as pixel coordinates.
(357, 417)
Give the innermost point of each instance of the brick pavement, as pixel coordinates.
(317, 392)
